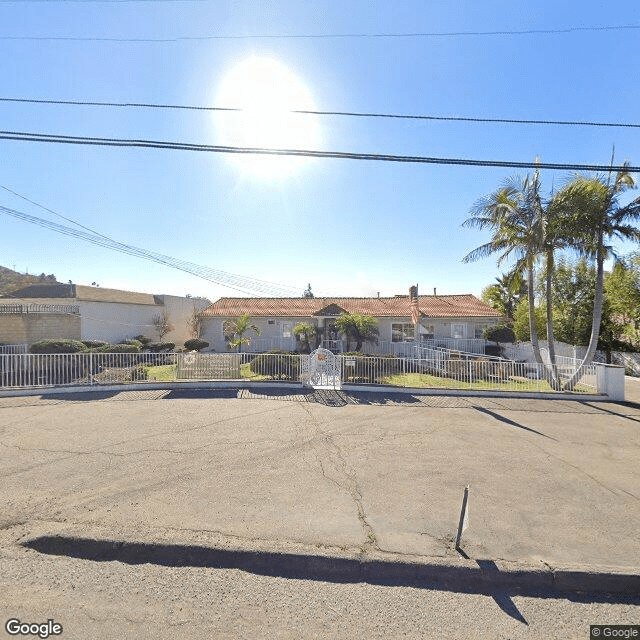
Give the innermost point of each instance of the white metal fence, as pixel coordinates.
(438, 370)
(13, 348)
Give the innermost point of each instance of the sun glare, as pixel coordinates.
(267, 92)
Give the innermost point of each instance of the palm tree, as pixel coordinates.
(513, 214)
(597, 217)
(234, 331)
(358, 327)
(306, 332)
(505, 293)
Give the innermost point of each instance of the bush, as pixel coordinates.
(94, 344)
(156, 347)
(196, 344)
(119, 348)
(371, 369)
(492, 350)
(57, 346)
(143, 340)
(133, 342)
(278, 364)
(500, 333)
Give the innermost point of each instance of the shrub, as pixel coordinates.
(119, 348)
(371, 369)
(94, 344)
(278, 364)
(196, 344)
(156, 347)
(143, 340)
(133, 342)
(492, 350)
(57, 346)
(500, 333)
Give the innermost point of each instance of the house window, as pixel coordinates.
(286, 329)
(271, 321)
(402, 332)
(429, 332)
(457, 330)
(479, 332)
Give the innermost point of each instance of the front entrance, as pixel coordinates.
(321, 370)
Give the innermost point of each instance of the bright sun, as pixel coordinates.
(267, 92)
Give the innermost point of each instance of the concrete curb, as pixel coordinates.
(259, 387)
(467, 576)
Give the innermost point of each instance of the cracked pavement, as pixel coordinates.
(345, 476)
(550, 481)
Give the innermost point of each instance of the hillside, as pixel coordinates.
(12, 280)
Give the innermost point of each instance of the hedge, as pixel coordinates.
(160, 346)
(195, 344)
(57, 346)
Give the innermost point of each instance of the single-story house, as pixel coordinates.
(111, 315)
(456, 321)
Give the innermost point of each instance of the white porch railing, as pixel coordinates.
(260, 345)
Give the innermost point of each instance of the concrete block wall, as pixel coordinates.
(28, 328)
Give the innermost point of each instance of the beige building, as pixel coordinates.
(93, 313)
(449, 320)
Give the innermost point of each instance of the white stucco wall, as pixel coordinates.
(179, 310)
(115, 321)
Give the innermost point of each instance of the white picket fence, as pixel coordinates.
(438, 370)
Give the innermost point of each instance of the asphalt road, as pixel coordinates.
(553, 484)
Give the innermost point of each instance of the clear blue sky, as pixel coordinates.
(347, 227)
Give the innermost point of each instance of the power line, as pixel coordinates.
(243, 284)
(357, 114)
(311, 36)
(186, 146)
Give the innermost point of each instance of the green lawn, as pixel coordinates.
(421, 380)
(164, 373)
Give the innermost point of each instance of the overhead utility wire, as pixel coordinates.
(276, 286)
(242, 284)
(444, 34)
(357, 114)
(184, 146)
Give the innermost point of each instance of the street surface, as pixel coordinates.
(95, 484)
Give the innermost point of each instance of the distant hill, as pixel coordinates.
(12, 280)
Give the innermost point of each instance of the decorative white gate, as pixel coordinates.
(321, 370)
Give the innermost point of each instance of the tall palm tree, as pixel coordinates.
(513, 214)
(234, 331)
(597, 217)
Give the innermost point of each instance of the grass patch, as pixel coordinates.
(424, 380)
(163, 373)
(245, 372)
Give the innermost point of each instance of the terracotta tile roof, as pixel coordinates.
(453, 306)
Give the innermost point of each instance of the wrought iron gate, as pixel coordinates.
(321, 370)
